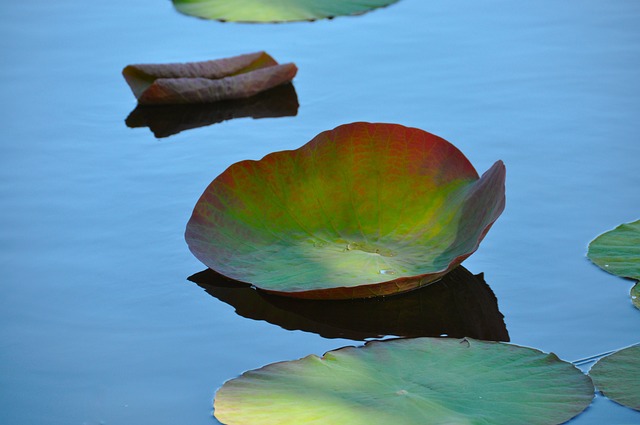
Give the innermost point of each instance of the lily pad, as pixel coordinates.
(211, 81)
(360, 211)
(618, 251)
(618, 376)
(462, 304)
(407, 382)
(275, 11)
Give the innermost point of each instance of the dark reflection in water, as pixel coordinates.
(459, 305)
(167, 120)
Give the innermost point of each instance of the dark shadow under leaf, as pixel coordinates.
(460, 304)
(167, 120)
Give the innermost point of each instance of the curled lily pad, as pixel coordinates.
(238, 77)
(635, 295)
(410, 381)
(362, 210)
(462, 304)
(618, 376)
(275, 11)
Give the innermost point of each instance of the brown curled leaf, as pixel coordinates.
(238, 77)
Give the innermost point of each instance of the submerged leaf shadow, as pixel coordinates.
(167, 120)
(460, 304)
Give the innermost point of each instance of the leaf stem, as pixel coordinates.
(596, 357)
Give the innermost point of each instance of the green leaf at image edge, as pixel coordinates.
(410, 381)
(618, 251)
(263, 11)
(617, 376)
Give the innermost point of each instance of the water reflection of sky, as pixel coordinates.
(97, 320)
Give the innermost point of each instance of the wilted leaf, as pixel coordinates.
(459, 305)
(360, 211)
(407, 382)
(275, 11)
(618, 376)
(206, 82)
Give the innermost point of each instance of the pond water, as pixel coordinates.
(98, 322)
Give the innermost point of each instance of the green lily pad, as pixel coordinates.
(618, 376)
(618, 251)
(635, 295)
(407, 382)
(362, 210)
(275, 11)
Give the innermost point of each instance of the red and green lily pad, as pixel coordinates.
(238, 77)
(618, 376)
(618, 252)
(275, 11)
(410, 381)
(360, 211)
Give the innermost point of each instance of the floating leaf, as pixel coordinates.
(362, 210)
(407, 382)
(618, 251)
(275, 11)
(460, 305)
(618, 376)
(206, 82)
(167, 120)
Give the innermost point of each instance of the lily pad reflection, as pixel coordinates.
(459, 305)
(167, 120)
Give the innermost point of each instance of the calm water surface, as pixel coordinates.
(98, 322)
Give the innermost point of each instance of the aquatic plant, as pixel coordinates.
(407, 382)
(275, 11)
(362, 210)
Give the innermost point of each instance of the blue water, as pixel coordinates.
(98, 322)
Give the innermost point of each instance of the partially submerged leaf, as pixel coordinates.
(167, 120)
(461, 304)
(209, 81)
(275, 11)
(360, 211)
(407, 382)
(618, 251)
(618, 376)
